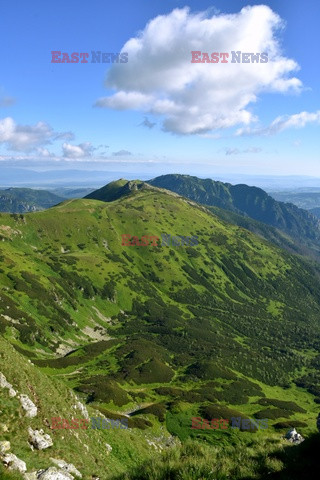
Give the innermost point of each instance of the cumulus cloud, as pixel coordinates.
(298, 120)
(196, 98)
(122, 153)
(24, 137)
(77, 151)
(44, 152)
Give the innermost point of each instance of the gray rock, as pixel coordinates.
(52, 473)
(14, 463)
(294, 437)
(28, 406)
(39, 440)
(5, 384)
(79, 406)
(68, 467)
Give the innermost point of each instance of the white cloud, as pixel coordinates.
(298, 120)
(44, 152)
(24, 137)
(77, 151)
(160, 79)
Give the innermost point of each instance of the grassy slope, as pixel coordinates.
(221, 320)
(54, 399)
(300, 225)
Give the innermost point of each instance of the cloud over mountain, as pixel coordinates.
(160, 79)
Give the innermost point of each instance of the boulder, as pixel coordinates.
(68, 467)
(5, 384)
(28, 406)
(294, 437)
(14, 463)
(52, 473)
(39, 440)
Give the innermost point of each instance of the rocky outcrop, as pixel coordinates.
(51, 473)
(5, 384)
(13, 463)
(28, 406)
(294, 437)
(67, 467)
(79, 406)
(39, 440)
(9, 460)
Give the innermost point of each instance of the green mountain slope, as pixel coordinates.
(21, 200)
(115, 190)
(85, 448)
(224, 328)
(133, 455)
(300, 225)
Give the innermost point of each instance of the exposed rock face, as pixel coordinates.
(82, 408)
(68, 467)
(28, 406)
(5, 384)
(13, 463)
(294, 437)
(51, 473)
(39, 440)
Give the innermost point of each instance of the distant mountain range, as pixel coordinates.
(245, 203)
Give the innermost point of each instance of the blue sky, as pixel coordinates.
(159, 113)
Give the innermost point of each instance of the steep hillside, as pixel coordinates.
(115, 190)
(300, 225)
(21, 200)
(228, 326)
(85, 448)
